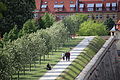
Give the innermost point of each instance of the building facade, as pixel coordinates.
(97, 9)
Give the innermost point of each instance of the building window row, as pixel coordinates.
(100, 16)
(90, 7)
(99, 7)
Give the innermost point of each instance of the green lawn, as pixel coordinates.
(40, 70)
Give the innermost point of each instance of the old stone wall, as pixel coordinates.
(104, 65)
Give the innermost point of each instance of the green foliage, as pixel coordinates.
(16, 14)
(6, 67)
(3, 8)
(28, 27)
(46, 21)
(81, 61)
(12, 35)
(72, 22)
(109, 23)
(91, 28)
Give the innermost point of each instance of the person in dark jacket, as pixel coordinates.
(48, 66)
(67, 55)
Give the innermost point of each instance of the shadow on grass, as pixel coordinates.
(25, 73)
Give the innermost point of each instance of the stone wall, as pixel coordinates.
(104, 65)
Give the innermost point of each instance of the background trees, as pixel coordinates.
(72, 22)
(17, 13)
(91, 28)
(109, 23)
(46, 20)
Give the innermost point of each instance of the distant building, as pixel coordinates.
(97, 9)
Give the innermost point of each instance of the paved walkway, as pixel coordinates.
(62, 65)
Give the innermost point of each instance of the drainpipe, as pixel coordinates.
(77, 2)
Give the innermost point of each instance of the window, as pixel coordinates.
(56, 2)
(90, 5)
(45, 2)
(81, 9)
(107, 4)
(114, 4)
(108, 9)
(60, 9)
(43, 9)
(97, 16)
(58, 6)
(113, 8)
(72, 9)
(71, 1)
(99, 6)
(90, 9)
(98, 9)
(61, 2)
(57, 9)
(101, 16)
(81, 5)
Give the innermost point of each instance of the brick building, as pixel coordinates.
(97, 9)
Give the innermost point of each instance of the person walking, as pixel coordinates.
(63, 56)
(67, 55)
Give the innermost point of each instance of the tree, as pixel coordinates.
(28, 27)
(56, 32)
(109, 23)
(90, 28)
(12, 35)
(17, 13)
(3, 8)
(46, 21)
(72, 22)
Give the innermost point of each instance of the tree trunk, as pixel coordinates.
(40, 59)
(34, 64)
(44, 57)
(24, 69)
(18, 74)
(30, 66)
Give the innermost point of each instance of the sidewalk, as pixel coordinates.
(62, 65)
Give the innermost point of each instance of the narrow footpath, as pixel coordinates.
(62, 65)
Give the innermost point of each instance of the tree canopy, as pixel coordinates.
(72, 22)
(46, 20)
(17, 13)
(91, 28)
